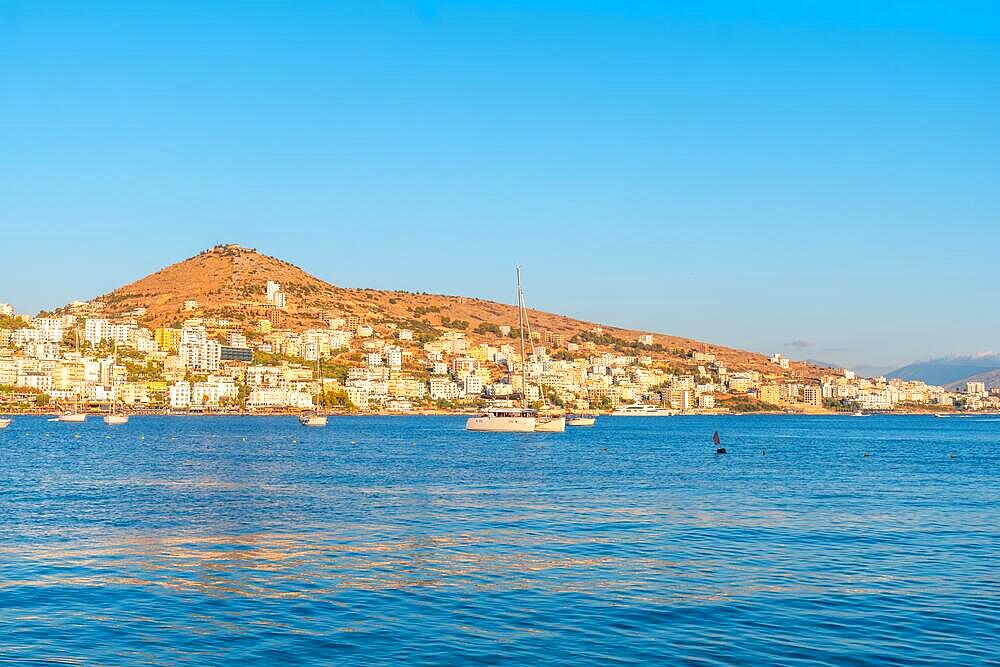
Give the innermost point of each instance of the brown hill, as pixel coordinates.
(228, 283)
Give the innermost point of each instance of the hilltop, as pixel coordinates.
(227, 284)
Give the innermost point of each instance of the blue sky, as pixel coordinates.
(814, 178)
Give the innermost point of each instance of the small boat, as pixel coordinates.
(550, 424)
(316, 420)
(115, 419)
(859, 413)
(70, 417)
(581, 421)
(940, 416)
(503, 420)
(4, 423)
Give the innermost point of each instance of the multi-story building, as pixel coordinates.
(94, 329)
(180, 395)
(50, 329)
(443, 388)
(167, 339)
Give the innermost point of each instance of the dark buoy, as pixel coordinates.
(763, 452)
(867, 454)
(718, 442)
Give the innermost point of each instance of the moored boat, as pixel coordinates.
(581, 421)
(641, 410)
(522, 419)
(550, 424)
(316, 420)
(503, 420)
(70, 417)
(115, 419)
(4, 423)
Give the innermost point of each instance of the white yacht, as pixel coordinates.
(641, 410)
(581, 420)
(504, 420)
(4, 423)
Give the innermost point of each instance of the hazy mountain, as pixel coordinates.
(948, 370)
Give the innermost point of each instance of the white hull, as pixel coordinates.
(550, 424)
(112, 420)
(4, 423)
(644, 412)
(319, 421)
(582, 421)
(501, 424)
(73, 418)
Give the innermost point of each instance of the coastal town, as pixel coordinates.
(86, 356)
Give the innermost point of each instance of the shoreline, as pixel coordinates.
(470, 413)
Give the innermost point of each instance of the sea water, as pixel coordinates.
(407, 540)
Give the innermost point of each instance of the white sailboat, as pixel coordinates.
(545, 421)
(550, 423)
(313, 419)
(510, 420)
(316, 419)
(116, 417)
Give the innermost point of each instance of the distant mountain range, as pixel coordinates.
(953, 371)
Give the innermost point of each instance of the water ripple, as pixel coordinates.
(174, 541)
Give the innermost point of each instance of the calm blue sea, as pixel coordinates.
(406, 540)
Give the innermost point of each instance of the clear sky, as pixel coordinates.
(813, 178)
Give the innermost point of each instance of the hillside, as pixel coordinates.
(990, 378)
(228, 283)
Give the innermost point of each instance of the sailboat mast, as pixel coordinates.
(319, 374)
(520, 327)
(531, 341)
